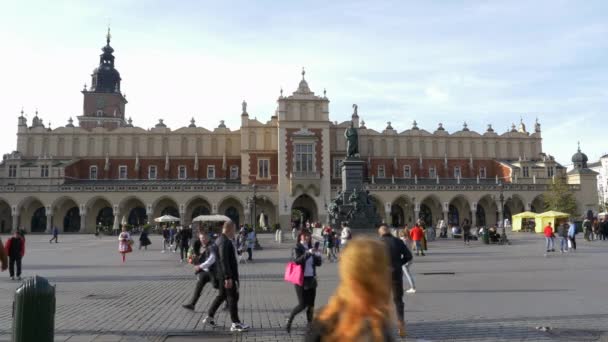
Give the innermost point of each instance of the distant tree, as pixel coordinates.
(560, 198)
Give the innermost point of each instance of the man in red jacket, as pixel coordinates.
(15, 248)
(549, 238)
(417, 234)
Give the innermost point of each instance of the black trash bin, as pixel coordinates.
(34, 311)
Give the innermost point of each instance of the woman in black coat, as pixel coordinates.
(144, 240)
(309, 259)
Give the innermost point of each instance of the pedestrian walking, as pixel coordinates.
(204, 268)
(416, 235)
(228, 277)
(466, 232)
(406, 267)
(55, 233)
(15, 249)
(185, 235)
(587, 229)
(172, 244)
(250, 240)
(360, 307)
(595, 227)
(294, 231)
(124, 244)
(144, 240)
(562, 232)
(398, 257)
(345, 235)
(443, 229)
(330, 244)
(308, 258)
(571, 236)
(549, 238)
(166, 239)
(604, 229)
(3, 258)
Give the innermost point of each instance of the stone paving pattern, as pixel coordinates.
(498, 293)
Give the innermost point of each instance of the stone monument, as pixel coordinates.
(353, 203)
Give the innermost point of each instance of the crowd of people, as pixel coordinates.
(360, 307)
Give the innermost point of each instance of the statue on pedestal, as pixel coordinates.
(352, 141)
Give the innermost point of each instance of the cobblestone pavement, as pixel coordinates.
(497, 293)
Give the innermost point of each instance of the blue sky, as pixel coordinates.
(431, 61)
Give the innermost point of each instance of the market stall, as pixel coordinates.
(524, 221)
(554, 217)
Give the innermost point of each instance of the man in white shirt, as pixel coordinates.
(345, 235)
(204, 268)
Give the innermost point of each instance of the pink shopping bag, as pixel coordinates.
(294, 273)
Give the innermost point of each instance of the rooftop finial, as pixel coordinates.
(303, 73)
(324, 92)
(579, 145)
(21, 110)
(108, 35)
(281, 91)
(244, 106)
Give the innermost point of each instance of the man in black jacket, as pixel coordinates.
(398, 255)
(204, 269)
(227, 272)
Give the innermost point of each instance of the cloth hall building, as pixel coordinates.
(104, 168)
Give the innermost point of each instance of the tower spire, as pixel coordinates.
(108, 36)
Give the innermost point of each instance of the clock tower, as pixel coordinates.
(104, 104)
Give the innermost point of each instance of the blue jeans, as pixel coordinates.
(563, 243)
(549, 243)
(419, 247)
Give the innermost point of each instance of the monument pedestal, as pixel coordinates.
(353, 205)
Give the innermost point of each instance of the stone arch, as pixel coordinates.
(134, 210)
(402, 211)
(165, 205)
(99, 210)
(488, 215)
(305, 207)
(459, 210)
(232, 207)
(265, 204)
(514, 204)
(64, 217)
(538, 204)
(27, 207)
(430, 210)
(195, 206)
(6, 216)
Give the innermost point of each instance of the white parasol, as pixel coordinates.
(211, 218)
(167, 218)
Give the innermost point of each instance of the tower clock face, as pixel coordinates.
(101, 102)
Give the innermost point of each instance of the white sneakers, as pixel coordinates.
(234, 327)
(412, 290)
(239, 327)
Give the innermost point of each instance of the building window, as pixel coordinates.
(152, 172)
(182, 174)
(304, 157)
(381, 172)
(122, 172)
(12, 171)
(93, 172)
(457, 173)
(550, 171)
(337, 169)
(263, 168)
(482, 172)
(407, 171)
(44, 171)
(234, 172)
(526, 171)
(210, 171)
(432, 172)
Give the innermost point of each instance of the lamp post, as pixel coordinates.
(501, 198)
(252, 205)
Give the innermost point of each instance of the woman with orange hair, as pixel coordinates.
(361, 308)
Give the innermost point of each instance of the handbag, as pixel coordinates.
(294, 274)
